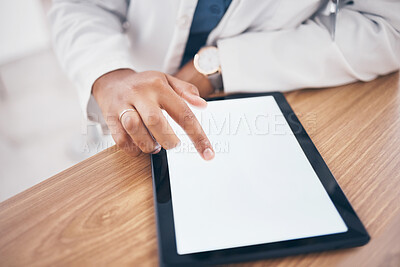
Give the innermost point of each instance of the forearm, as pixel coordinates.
(89, 41)
(365, 46)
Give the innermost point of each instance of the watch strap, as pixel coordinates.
(216, 81)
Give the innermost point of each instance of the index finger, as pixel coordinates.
(183, 115)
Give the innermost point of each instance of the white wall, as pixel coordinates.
(23, 29)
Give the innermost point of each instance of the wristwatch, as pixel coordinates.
(206, 61)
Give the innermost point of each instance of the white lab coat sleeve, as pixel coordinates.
(89, 41)
(367, 44)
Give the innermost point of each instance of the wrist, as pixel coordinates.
(188, 73)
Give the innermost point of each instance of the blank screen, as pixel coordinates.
(259, 188)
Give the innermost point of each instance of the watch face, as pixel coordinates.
(207, 61)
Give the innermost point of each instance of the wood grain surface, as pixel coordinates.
(100, 212)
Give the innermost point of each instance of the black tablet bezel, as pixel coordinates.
(355, 236)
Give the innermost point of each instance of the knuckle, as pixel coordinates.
(192, 89)
(180, 93)
(153, 118)
(121, 140)
(131, 123)
(146, 147)
(157, 81)
(168, 144)
(201, 140)
(187, 115)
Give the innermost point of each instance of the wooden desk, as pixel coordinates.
(100, 211)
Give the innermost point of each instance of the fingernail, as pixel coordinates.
(208, 154)
(156, 149)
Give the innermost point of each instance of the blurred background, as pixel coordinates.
(42, 131)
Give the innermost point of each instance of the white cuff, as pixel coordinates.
(89, 105)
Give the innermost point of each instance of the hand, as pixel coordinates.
(188, 73)
(148, 93)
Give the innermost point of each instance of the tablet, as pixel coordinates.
(267, 193)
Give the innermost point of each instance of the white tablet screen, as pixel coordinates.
(259, 188)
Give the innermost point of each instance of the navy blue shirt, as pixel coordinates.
(206, 17)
